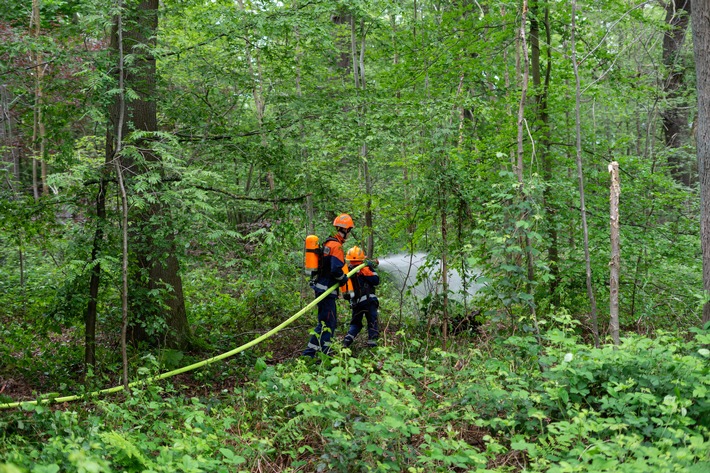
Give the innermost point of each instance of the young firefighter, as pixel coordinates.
(364, 303)
(330, 271)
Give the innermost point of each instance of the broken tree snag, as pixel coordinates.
(615, 262)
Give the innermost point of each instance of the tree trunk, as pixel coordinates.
(38, 132)
(523, 95)
(122, 191)
(365, 162)
(580, 177)
(675, 120)
(310, 217)
(615, 263)
(21, 256)
(444, 272)
(358, 63)
(7, 141)
(525, 239)
(353, 52)
(701, 45)
(543, 119)
(158, 266)
(94, 281)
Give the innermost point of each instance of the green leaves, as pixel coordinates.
(231, 457)
(643, 404)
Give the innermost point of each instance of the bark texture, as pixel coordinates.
(538, 9)
(95, 279)
(151, 243)
(580, 177)
(615, 263)
(701, 45)
(675, 119)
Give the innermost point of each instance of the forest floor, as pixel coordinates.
(34, 371)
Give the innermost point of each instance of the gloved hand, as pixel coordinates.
(373, 263)
(344, 281)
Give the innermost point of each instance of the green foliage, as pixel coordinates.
(256, 106)
(641, 407)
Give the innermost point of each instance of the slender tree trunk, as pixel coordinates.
(364, 156)
(353, 51)
(543, 118)
(523, 95)
(363, 35)
(368, 201)
(38, 126)
(358, 63)
(94, 281)
(21, 256)
(615, 263)
(12, 157)
(640, 263)
(124, 273)
(310, 217)
(414, 23)
(43, 154)
(259, 101)
(525, 240)
(122, 190)
(444, 271)
(580, 177)
(701, 46)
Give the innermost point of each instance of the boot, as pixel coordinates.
(347, 341)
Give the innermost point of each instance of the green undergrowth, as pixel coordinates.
(508, 406)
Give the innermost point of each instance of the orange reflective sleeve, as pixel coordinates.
(336, 251)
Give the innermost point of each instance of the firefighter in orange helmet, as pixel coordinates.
(364, 303)
(330, 271)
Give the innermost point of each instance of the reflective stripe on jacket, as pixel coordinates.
(364, 283)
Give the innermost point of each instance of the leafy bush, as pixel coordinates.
(641, 407)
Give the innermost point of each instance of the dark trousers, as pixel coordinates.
(368, 310)
(327, 318)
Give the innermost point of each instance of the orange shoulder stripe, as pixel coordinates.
(336, 250)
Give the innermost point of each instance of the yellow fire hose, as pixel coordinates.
(193, 366)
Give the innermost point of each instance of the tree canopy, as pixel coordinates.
(162, 163)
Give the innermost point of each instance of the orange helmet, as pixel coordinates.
(344, 221)
(355, 254)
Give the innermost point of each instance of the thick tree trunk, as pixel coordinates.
(675, 120)
(701, 45)
(158, 266)
(167, 273)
